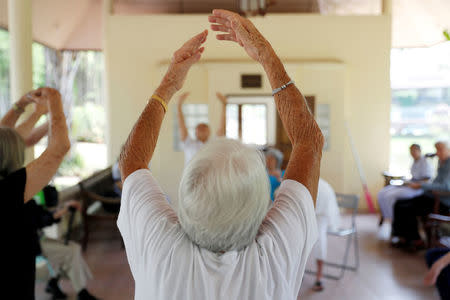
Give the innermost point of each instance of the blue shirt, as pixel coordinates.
(274, 184)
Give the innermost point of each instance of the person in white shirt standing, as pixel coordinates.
(227, 241)
(202, 131)
(421, 171)
(328, 219)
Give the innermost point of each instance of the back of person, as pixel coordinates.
(271, 267)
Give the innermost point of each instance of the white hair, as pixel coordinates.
(224, 195)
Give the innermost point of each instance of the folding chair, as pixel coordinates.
(348, 202)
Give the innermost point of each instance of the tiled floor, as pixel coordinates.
(385, 273)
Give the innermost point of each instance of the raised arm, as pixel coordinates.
(223, 117)
(26, 127)
(302, 130)
(11, 117)
(37, 134)
(181, 123)
(41, 170)
(140, 145)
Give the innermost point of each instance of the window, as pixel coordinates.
(251, 119)
(420, 107)
(248, 123)
(194, 114)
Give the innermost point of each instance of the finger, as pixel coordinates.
(224, 14)
(214, 19)
(223, 28)
(227, 37)
(195, 42)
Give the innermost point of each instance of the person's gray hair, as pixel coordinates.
(277, 154)
(12, 151)
(224, 196)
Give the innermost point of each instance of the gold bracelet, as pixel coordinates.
(161, 101)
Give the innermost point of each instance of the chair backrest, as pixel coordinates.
(99, 182)
(349, 202)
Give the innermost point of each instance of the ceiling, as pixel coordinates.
(77, 24)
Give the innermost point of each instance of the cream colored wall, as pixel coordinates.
(343, 61)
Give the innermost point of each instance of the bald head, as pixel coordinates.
(202, 132)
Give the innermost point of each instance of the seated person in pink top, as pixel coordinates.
(226, 240)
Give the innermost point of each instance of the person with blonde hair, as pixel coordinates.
(227, 240)
(19, 184)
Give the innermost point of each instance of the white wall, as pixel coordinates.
(343, 61)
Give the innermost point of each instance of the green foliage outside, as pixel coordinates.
(72, 165)
(88, 123)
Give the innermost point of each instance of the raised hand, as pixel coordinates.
(41, 107)
(27, 99)
(182, 98)
(182, 61)
(221, 98)
(240, 30)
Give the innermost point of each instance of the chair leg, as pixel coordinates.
(85, 236)
(347, 251)
(356, 249)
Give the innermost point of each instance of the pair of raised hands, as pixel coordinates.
(40, 97)
(233, 27)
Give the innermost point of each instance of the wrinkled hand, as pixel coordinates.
(41, 107)
(45, 96)
(222, 98)
(27, 99)
(240, 30)
(48, 93)
(414, 185)
(182, 98)
(182, 61)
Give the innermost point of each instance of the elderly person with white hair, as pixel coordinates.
(19, 184)
(225, 242)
